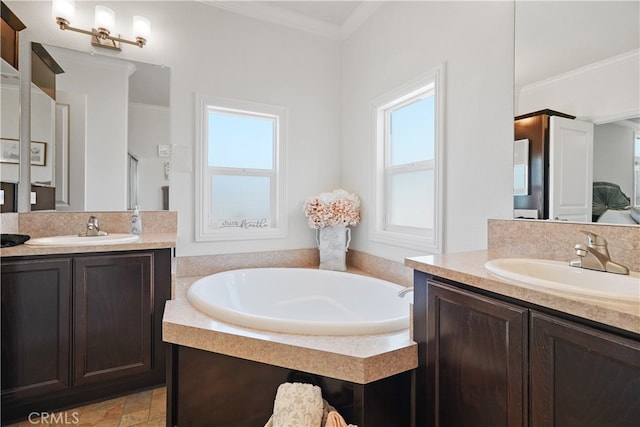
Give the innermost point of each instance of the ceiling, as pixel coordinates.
(551, 37)
(335, 19)
(555, 37)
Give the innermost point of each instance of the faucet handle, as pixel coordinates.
(593, 239)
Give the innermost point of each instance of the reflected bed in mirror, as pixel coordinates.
(582, 59)
(106, 109)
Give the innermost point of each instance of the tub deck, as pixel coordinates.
(357, 359)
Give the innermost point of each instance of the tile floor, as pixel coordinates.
(144, 409)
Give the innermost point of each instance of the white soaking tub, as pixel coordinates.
(302, 301)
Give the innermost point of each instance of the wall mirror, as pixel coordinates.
(10, 126)
(565, 56)
(107, 110)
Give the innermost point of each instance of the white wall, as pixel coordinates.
(613, 155)
(105, 84)
(246, 59)
(327, 86)
(402, 41)
(148, 128)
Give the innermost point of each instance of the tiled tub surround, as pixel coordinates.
(359, 359)
(381, 268)
(379, 364)
(545, 240)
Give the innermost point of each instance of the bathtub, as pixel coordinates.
(302, 301)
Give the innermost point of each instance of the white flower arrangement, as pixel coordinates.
(335, 209)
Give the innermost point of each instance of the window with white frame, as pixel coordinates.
(239, 170)
(408, 132)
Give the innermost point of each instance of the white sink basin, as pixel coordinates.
(75, 240)
(558, 275)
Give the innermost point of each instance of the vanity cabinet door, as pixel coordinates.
(476, 360)
(113, 301)
(36, 297)
(581, 376)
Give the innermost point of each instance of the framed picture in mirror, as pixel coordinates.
(38, 153)
(9, 150)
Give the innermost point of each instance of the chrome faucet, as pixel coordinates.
(595, 256)
(93, 228)
(405, 291)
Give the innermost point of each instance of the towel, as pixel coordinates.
(297, 405)
(334, 419)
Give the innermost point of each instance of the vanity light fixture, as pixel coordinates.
(64, 10)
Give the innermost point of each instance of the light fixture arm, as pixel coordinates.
(100, 34)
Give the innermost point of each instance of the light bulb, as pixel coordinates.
(104, 18)
(141, 27)
(65, 9)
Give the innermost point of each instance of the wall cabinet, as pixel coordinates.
(560, 167)
(11, 26)
(485, 361)
(81, 328)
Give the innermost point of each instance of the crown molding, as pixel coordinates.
(277, 15)
(633, 55)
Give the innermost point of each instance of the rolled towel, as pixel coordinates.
(297, 405)
(334, 419)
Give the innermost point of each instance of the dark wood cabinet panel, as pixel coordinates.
(11, 26)
(35, 327)
(112, 310)
(581, 376)
(476, 360)
(81, 328)
(485, 360)
(211, 389)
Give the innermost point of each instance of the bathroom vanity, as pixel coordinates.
(496, 353)
(81, 324)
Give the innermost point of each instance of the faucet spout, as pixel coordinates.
(93, 228)
(595, 256)
(404, 292)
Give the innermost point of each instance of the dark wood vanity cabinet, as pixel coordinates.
(81, 328)
(581, 376)
(36, 323)
(485, 361)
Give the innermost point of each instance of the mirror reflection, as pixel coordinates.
(107, 110)
(582, 59)
(10, 125)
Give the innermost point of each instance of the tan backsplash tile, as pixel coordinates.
(380, 267)
(203, 265)
(556, 240)
(43, 224)
(9, 222)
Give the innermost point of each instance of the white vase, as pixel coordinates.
(333, 243)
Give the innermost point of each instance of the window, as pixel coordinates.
(239, 189)
(408, 123)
